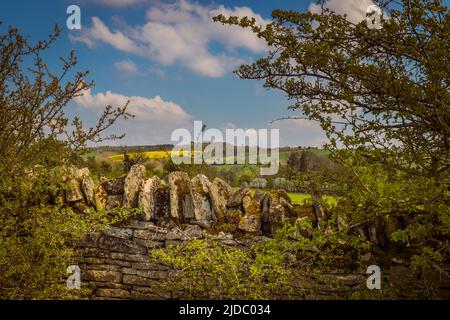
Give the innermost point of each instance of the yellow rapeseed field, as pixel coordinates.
(149, 155)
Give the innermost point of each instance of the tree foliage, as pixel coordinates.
(37, 141)
(381, 95)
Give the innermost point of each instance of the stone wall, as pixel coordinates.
(117, 263)
(212, 205)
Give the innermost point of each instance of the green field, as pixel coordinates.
(303, 198)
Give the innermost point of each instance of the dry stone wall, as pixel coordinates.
(212, 205)
(117, 263)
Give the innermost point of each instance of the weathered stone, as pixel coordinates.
(200, 199)
(202, 208)
(133, 183)
(265, 223)
(130, 257)
(228, 227)
(114, 186)
(95, 252)
(351, 279)
(120, 245)
(188, 208)
(229, 242)
(139, 281)
(162, 201)
(225, 236)
(94, 284)
(146, 200)
(102, 276)
(91, 260)
(225, 189)
(113, 201)
(119, 262)
(87, 186)
(276, 215)
(219, 194)
(149, 244)
(151, 274)
(203, 224)
(201, 184)
(100, 198)
(265, 203)
(144, 293)
(113, 293)
(193, 232)
(124, 233)
(250, 223)
(234, 216)
(99, 261)
(148, 266)
(189, 233)
(180, 187)
(287, 204)
(175, 234)
(236, 199)
(279, 209)
(246, 201)
(73, 191)
(103, 266)
(80, 174)
(151, 234)
(145, 225)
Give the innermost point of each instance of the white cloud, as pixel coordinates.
(126, 66)
(154, 120)
(354, 9)
(100, 32)
(182, 33)
(146, 109)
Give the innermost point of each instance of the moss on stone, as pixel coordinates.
(233, 217)
(227, 227)
(254, 208)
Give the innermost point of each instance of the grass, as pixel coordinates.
(304, 198)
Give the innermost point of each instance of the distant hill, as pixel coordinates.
(111, 151)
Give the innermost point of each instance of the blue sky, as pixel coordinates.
(170, 60)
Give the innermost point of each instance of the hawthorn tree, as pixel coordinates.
(37, 138)
(382, 97)
(33, 101)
